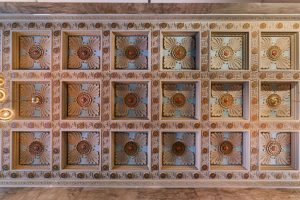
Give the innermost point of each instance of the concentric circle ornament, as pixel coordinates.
(84, 99)
(131, 100)
(273, 100)
(37, 99)
(132, 52)
(226, 147)
(274, 52)
(36, 148)
(6, 114)
(36, 52)
(178, 148)
(131, 148)
(273, 148)
(85, 52)
(178, 52)
(178, 100)
(84, 147)
(3, 95)
(2, 80)
(225, 53)
(226, 100)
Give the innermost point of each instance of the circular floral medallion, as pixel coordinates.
(178, 52)
(178, 100)
(36, 52)
(36, 148)
(226, 100)
(273, 148)
(178, 148)
(84, 147)
(132, 52)
(131, 148)
(226, 147)
(225, 53)
(274, 52)
(37, 99)
(273, 100)
(131, 100)
(84, 52)
(84, 99)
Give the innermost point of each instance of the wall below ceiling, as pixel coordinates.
(154, 8)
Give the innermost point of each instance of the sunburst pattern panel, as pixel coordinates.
(130, 150)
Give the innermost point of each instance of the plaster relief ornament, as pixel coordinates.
(275, 149)
(179, 53)
(131, 52)
(226, 53)
(84, 52)
(179, 149)
(275, 100)
(34, 148)
(83, 148)
(131, 100)
(35, 52)
(227, 100)
(83, 100)
(226, 148)
(179, 100)
(131, 148)
(34, 100)
(275, 53)
(6, 114)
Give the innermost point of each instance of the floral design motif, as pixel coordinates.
(131, 100)
(179, 53)
(84, 52)
(83, 148)
(227, 100)
(35, 52)
(179, 100)
(131, 52)
(131, 148)
(34, 148)
(83, 100)
(178, 149)
(275, 149)
(34, 100)
(275, 53)
(226, 148)
(226, 53)
(275, 100)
